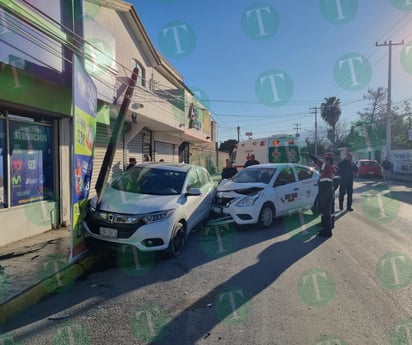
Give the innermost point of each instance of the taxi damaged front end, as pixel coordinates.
(242, 205)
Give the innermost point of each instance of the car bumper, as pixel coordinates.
(149, 237)
(370, 174)
(239, 215)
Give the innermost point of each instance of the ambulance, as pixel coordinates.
(274, 149)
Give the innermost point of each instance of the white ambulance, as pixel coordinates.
(274, 149)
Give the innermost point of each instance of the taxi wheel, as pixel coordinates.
(267, 215)
(177, 240)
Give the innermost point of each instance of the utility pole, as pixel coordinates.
(238, 133)
(389, 107)
(297, 126)
(315, 112)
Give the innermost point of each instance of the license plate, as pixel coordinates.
(371, 172)
(108, 232)
(217, 209)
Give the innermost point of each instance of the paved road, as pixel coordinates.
(249, 286)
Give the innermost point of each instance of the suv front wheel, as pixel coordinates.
(177, 240)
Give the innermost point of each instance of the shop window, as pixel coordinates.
(31, 162)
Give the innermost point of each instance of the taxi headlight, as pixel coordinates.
(249, 200)
(157, 216)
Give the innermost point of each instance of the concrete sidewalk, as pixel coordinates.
(35, 267)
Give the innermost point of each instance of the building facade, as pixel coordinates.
(38, 40)
(164, 121)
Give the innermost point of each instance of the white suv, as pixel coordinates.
(152, 207)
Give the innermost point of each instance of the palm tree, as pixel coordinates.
(330, 112)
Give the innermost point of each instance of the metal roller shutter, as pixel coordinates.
(164, 151)
(103, 135)
(135, 148)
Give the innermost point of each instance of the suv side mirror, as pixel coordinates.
(194, 191)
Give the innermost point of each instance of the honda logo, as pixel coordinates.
(110, 218)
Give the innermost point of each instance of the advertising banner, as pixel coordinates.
(84, 134)
(31, 163)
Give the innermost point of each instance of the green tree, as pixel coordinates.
(330, 112)
(370, 129)
(228, 145)
(401, 122)
(365, 134)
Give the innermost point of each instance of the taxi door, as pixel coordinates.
(307, 185)
(287, 191)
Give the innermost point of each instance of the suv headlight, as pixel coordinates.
(92, 204)
(249, 200)
(157, 216)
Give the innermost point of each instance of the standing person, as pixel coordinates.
(251, 161)
(347, 170)
(336, 184)
(386, 170)
(325, 194)
(229, 171)
(132, 163)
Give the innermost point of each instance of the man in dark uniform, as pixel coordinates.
(229, 171)
(251, 161)
(326, 193)
(347, 170)
(336, 184)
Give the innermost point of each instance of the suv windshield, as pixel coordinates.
(260, 175)
(148, 180)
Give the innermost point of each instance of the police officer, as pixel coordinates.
(229, 171)
(326, 191)
(347, 170)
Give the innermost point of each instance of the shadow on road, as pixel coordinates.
(129, 272)
(231, 300)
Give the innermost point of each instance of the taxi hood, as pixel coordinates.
(240, 188)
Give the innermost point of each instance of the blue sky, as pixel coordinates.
(262, 65)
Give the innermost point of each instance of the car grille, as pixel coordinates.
(224, 202)
(95, 221)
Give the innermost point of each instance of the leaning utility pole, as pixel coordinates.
(389, 107)
(111, 148)
(315, 111)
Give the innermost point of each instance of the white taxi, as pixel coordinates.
(260, 193)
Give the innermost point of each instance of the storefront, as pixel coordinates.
(29, 174)
(35, 120)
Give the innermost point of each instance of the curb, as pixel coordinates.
(32, 295)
